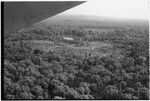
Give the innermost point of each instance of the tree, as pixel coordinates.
(42, 83)
(143, 93)
(130, 90)
(26, 95)
(71, 93)
(141, 60)
(86, 87)
(40, 97)
(110, 92)
(127, 96)
(7, 80)
(106, 79)
(25, 88)
(127, 62)
(122, 85)
(37, 91)
(10, 97)
(93, 87)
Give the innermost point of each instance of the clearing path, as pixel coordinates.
(96, 48)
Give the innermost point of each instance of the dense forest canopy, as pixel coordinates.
(101, 62)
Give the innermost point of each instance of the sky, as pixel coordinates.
(128, 9)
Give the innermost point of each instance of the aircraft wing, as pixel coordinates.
(18, 15)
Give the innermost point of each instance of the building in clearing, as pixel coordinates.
(68, 38)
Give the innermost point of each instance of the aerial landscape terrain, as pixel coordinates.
(78, 57)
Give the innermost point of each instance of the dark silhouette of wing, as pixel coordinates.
(18, 15)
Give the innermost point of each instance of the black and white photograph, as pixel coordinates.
(75, 50)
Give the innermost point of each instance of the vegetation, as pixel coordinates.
(102, 62)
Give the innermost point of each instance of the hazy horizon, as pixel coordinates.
(97, 17)
(120, 9)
